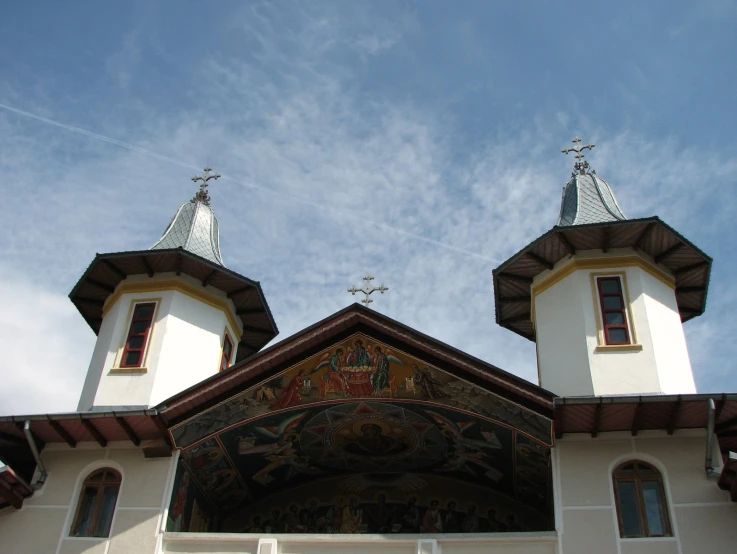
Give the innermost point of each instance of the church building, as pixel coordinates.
(360, 434)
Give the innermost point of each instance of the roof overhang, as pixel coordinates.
(728, 478)
(13, 489)
(599, 414)
(667, 248)
(107, 271)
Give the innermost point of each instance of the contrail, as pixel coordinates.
(341, 213)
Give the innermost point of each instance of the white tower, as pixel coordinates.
(168, 317)
(604, 297)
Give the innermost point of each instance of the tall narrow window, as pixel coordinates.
(138, 333)
(96, 504)
(227, 352)
(613, 310)
(640, 496)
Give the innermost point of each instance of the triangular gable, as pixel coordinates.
(347, 371)
(318, 338)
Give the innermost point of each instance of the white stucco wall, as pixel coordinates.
(42, 525)
(572, 358)
(185, 345)
(702, 516)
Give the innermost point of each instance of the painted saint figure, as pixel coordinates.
(380, 378)
(374, 443)
(432, 521)
(359, 357)
(290, 395)
(351, 518)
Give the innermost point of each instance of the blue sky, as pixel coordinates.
(419, 141)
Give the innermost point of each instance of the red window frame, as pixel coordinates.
(637, 473)
(227, 353)
(92, 518)
(608, 327)
(133, 333)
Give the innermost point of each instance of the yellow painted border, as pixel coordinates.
(179, 286)
(603, 263)
(602, 345)
(119, 354)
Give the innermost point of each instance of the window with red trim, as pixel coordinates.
(613, 310)
(138, 333)
(227, 352)
(96, 504)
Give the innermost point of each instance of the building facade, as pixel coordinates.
(362, 434)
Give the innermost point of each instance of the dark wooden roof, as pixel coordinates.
(342, 324)
(13, 489)
(513, 279)
(599, 414)
(107, 270)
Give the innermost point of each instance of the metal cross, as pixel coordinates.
(202, 195)
(580, 166)
(367, 289)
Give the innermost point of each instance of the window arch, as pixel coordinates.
(642, 510)
(96, 504)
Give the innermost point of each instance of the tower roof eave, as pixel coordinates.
(107, 270)
(513, 278)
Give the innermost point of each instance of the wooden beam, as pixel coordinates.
(597, 420)
(128, 430)
(565, 242)
(115, 269)
(94, 431)
(516, 318)
(523, 298)
(673, 418)
(100, 285)
(15, 439)
(520, 278)
(92, 301)
(690, 267)
(254, 329)
(149, 269)
(668, 252)
(159, 422)
(606, 236)
(690, 289)
(236, 292)
(10, 495)
(723, 426)
(688, 310)
(540, 260)
(646, 232)
(636, 419)
(63, 433)
(207, 279)
(180, 259)
(249, 311)
(719, 407)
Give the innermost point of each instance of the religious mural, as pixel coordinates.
(364, 438)
(360, 368)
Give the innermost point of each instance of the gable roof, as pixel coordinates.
(354, 318)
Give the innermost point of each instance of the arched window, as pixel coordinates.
(96, 504)
(641, 502)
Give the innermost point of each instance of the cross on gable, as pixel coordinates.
(367, 289)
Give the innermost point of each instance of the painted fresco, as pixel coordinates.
(424, 504)
(364, 438)
(360, 368)
(189, 509)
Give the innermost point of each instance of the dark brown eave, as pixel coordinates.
(600, 414)
(513, 279)
(13, 489)
(344, 323)
(137, 427)
(107, 271)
